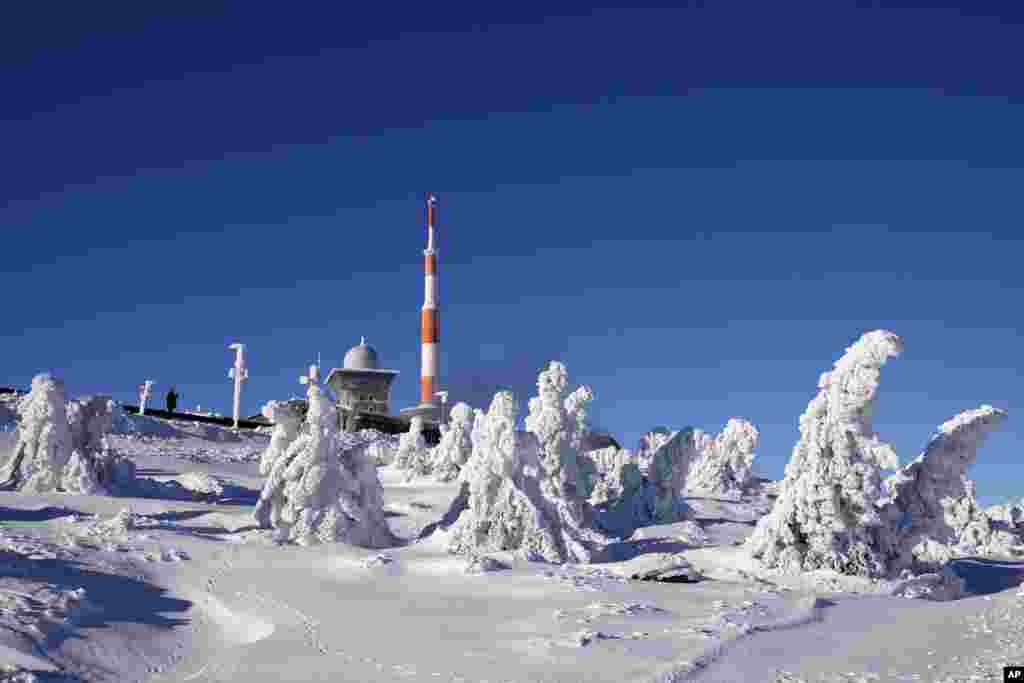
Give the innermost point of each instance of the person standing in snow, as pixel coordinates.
(172, 400)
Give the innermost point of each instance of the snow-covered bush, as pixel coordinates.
(827, 516)
(456, 444)
(505, 505)
(313, 494)
(932, 501)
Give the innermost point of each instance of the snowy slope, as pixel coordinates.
(192, 590)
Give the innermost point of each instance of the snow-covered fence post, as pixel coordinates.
(145, 391)
(239, 373)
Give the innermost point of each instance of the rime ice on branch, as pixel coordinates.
(826, 516)
(933, 507)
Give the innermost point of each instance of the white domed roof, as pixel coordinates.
(362, 357)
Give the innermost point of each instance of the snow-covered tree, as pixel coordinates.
(557, 431)
(381, 452)
(723, 465)
(456, 445)
(622, 499)
(93, 468)
(669, 457)
(44, 440)
(576, 410)
(313, 494)
(504, 505)
(827, 516)
(933, 504)
(412, 445)
(287, 422)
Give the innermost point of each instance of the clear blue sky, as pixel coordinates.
(696, 210)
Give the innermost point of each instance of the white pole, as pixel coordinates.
(443, 395)
(145, 391)
(239, 373)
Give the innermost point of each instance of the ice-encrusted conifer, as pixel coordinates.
(287, 422)
(93, 468)
(456, 445)
(622, 499)
(558, 431)
(503, 505)
(314, 494)
(44, 440)
(723, 465)
(827, 516)
(933, 504)
(412, 445)
(576, 410)
(668, 457)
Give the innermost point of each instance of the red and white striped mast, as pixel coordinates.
(429, 323)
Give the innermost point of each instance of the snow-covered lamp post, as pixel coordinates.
(443, 395)
(145, 391)
(239, 373)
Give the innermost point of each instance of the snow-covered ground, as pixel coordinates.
(111, 588)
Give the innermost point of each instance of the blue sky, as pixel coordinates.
(696, 210)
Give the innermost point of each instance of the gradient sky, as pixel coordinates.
(696, 209)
